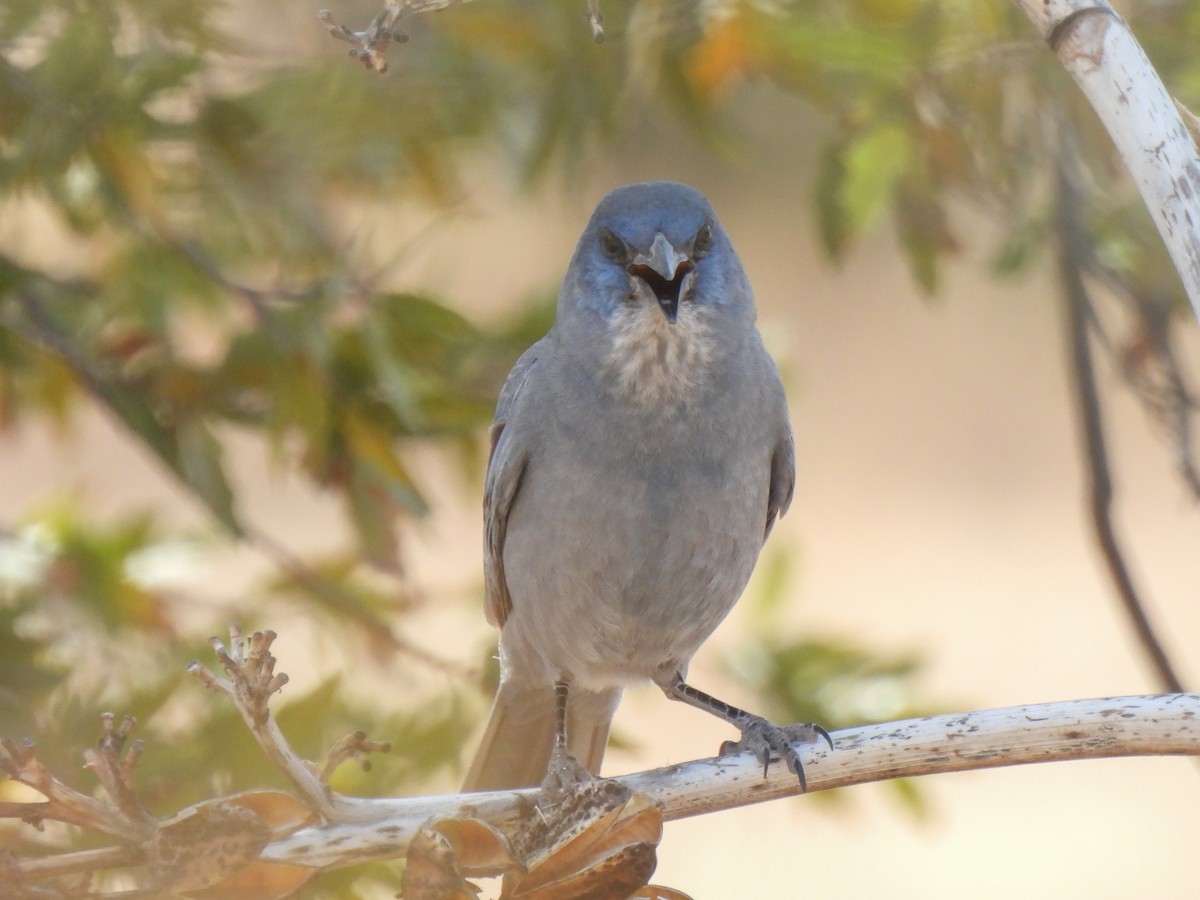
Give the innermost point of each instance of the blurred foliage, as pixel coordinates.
(192, 159)
(836, 682)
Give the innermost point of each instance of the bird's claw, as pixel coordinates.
(563, 774)
(762, 738)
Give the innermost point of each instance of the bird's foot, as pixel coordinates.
(762, 738)
(563, 774)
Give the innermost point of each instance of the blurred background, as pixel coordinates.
(256, 303)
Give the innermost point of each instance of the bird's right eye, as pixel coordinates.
(614, 248)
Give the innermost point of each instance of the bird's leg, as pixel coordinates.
(759, 736)
(564, 771)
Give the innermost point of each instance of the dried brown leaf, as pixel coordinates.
(658, 892)
(431, 870)
(615, 876)
(204, 844)
(637, 821)
(210, 851)
(479, 848)
(279, 811)
(257, 881)
(599, 842)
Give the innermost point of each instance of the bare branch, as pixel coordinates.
(1157, 725)
(1097, 48)
(219, 839)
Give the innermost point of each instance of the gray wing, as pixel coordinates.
(783, 478)
(506, 467)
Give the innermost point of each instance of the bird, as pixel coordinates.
(641, 452)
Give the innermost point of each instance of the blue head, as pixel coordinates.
(656, 242)
(655, 293)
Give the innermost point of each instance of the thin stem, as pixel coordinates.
(1101, 492)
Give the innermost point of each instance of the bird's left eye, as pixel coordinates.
(614, 248)
(703, 241)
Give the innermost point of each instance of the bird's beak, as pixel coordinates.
(663, 269)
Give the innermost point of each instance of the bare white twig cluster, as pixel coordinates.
(251, 683)
(370, 46)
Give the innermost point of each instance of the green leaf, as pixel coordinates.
(395, 379)
(872, 164)
(772, 577)
(199, 464)
(834, 682)
(835, 49)
(1022, 246)
(831, 218)
(923, 230)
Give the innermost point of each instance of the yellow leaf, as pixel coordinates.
(720, 58)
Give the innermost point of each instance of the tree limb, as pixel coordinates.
(1097, 48)
(1155, 725)
(486, 833)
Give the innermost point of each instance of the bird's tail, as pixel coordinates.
(515, 748)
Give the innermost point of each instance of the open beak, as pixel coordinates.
(663, 269)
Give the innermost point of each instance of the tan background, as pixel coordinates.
(938, 510)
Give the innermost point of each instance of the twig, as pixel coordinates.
(354, 746)
(257, 299)
(596, 20)
(115, 772)
(370, 46)
(61, 864)
(63, 804)
(252, 680)
(48, 333)
(1170, 399)
(1072, 261)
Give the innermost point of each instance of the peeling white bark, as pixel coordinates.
(1097, 48)
(1162, 724)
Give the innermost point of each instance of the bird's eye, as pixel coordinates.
(703, 240)
(614, 248)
